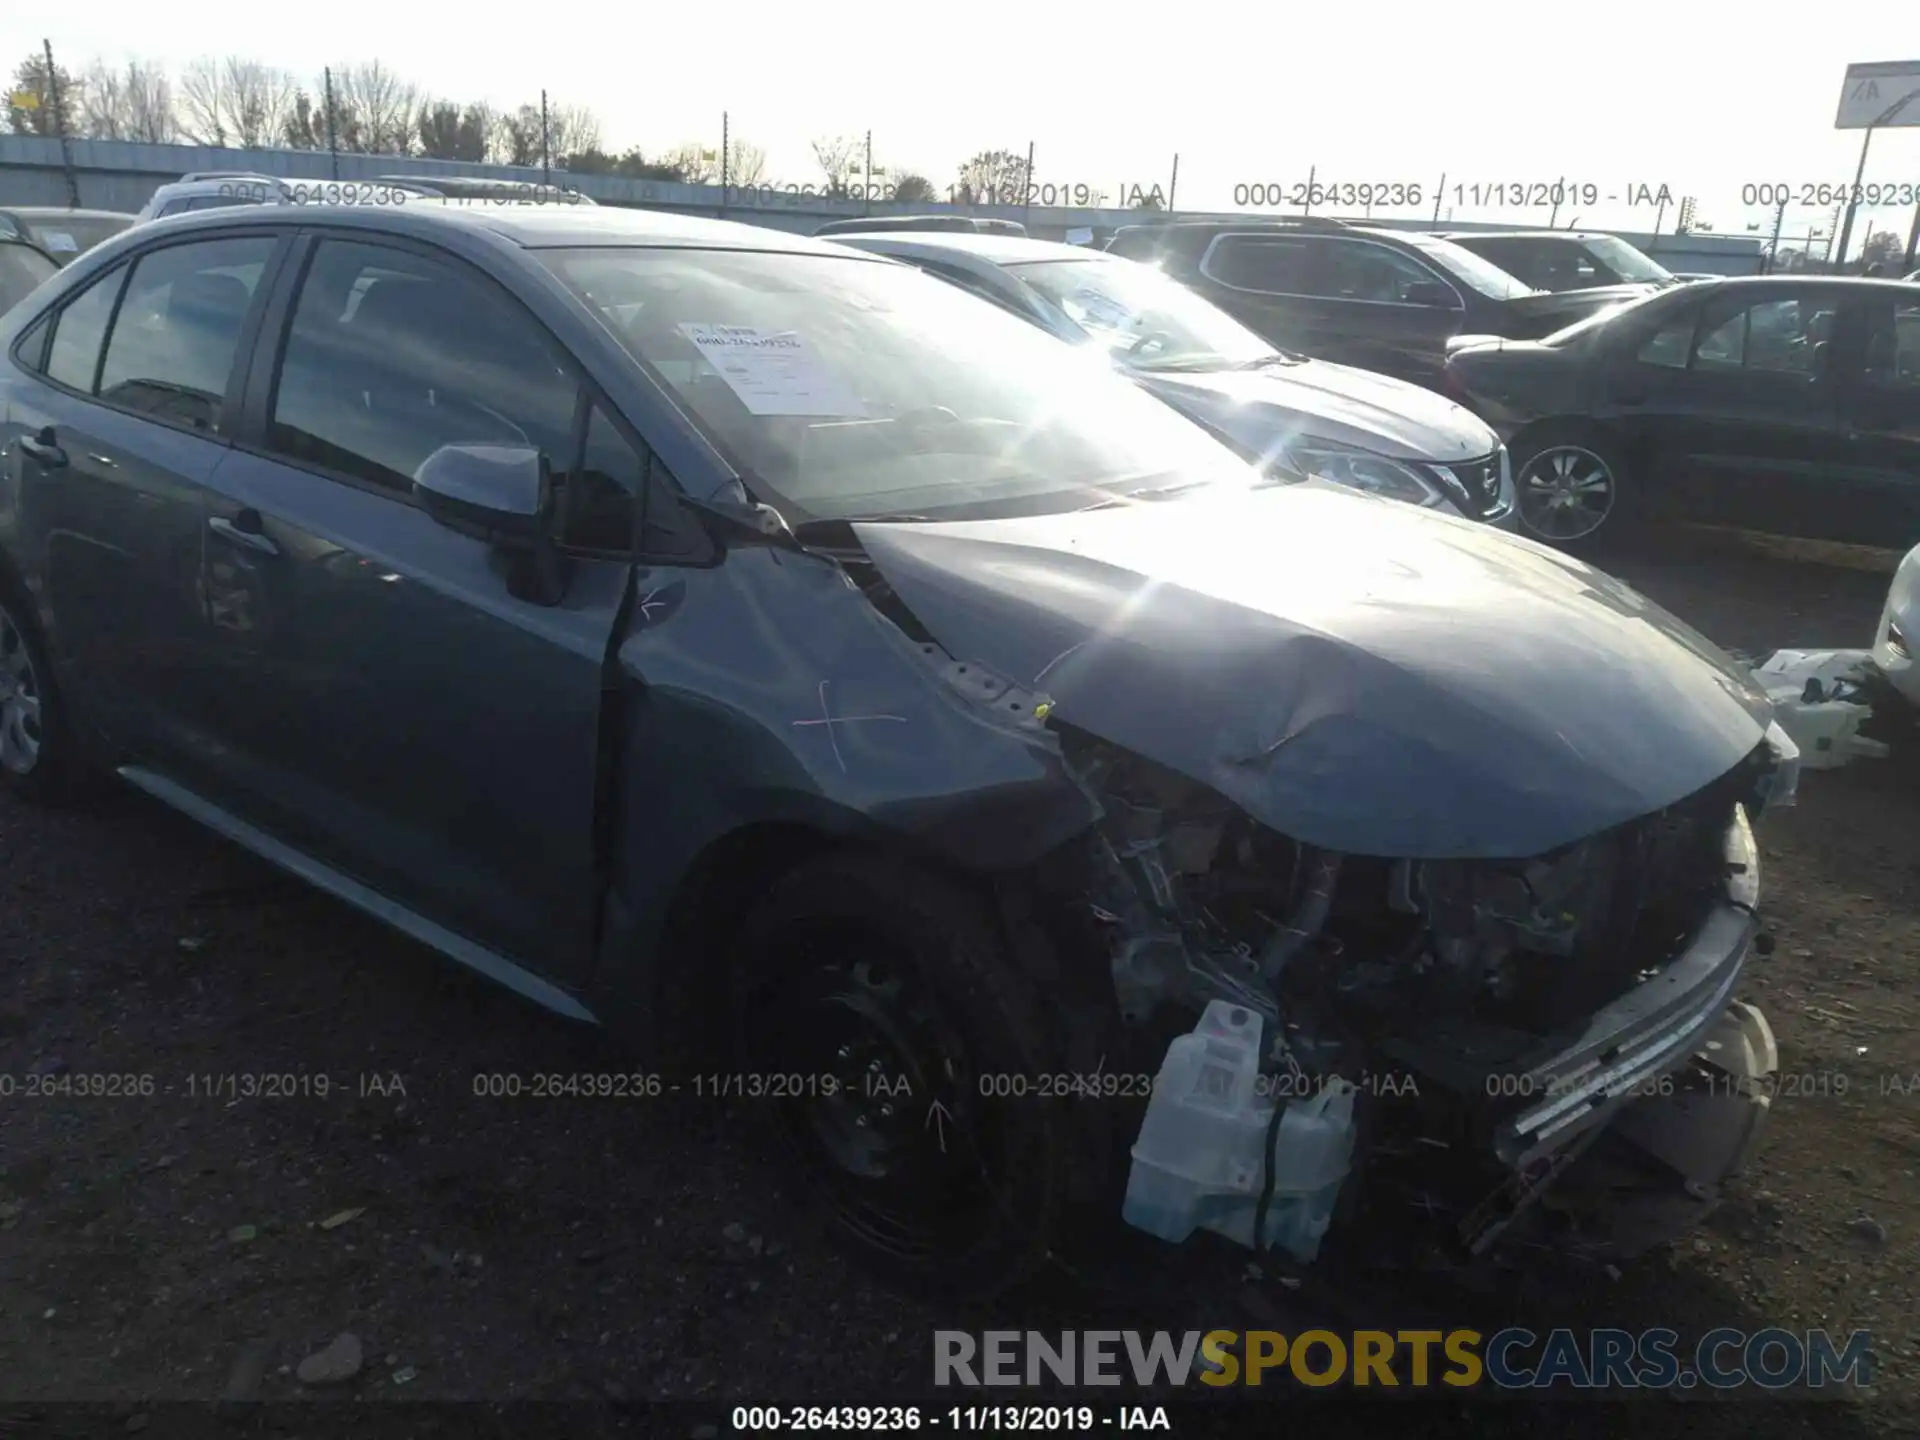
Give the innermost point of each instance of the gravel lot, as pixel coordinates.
(171, 1247)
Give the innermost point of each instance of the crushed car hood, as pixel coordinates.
(1358, 674)
(1331, 402)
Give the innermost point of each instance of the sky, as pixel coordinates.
(1699, 96)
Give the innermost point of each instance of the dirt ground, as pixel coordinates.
(185, 1245)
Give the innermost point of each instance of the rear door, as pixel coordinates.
(129, 417)
(1878, 500)
(389, 700)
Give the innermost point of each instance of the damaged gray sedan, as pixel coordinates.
(883, 716)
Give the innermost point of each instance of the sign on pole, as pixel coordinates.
(1874, 95)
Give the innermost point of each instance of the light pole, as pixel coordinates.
(1853, 198)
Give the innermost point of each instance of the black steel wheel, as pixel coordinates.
(879, 1013)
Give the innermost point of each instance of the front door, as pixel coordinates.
(1879, 502)
(1738, 401)
(389, 703)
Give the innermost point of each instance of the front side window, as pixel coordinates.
(1146, 319)
(391, 355)
(1358, 271)
(839, 387)
(1474, 271)
(1777, 336)
(79, 330)
(174, 340)
(1669, 346)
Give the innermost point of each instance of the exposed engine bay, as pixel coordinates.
(1540, 1052)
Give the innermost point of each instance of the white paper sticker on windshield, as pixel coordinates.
(60, 240)
(1101, 311)
(774, 372)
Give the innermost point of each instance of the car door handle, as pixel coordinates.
(44, 449)
(244, 529)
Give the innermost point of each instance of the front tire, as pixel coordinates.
(1571, 488)
(894, 989)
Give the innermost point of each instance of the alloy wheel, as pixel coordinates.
(20, 699)
(1566, 493)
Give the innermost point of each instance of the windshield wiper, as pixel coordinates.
(1278, 357)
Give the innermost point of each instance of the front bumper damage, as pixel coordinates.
(1609, 1141)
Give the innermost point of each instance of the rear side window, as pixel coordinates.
(79, 330)
(174, 340)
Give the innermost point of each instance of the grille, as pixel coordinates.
(1481, 481)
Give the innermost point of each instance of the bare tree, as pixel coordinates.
(150, 112)
(993, 177)
(376, 107)
(911, 187)
(235, 101)
(571, 130)
(839, 160)
(746, 163)
(47, 96)
(698, 164)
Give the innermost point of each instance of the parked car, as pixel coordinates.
(1386, 300)
(62, 233)
(1783, 404)
(1349, 426)
(959, 224)
(24, 266)
(1564, 259)
(213, 190)
(487, 188)
(726, 636)
(1893, 643)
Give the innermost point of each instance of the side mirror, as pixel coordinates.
(502, 494)
(1430, 293)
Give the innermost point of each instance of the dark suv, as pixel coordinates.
(1565, 259)
(1388, 300)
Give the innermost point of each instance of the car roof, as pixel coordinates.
(1737, 283)
(533, 227)
(996, 249)
(1460, 235)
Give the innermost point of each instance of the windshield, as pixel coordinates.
(1147, 320)
(22, 268)
(1580, 329)
(1483, 275)
(1625, 261)
(842, 388)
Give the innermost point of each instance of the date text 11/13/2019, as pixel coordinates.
(1462, 195)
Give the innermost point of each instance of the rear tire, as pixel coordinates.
(40, 759)
(1572, 488)
(857, 972)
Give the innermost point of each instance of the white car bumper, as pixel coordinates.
(1900, 630)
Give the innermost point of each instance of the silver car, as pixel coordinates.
(1353, 427)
